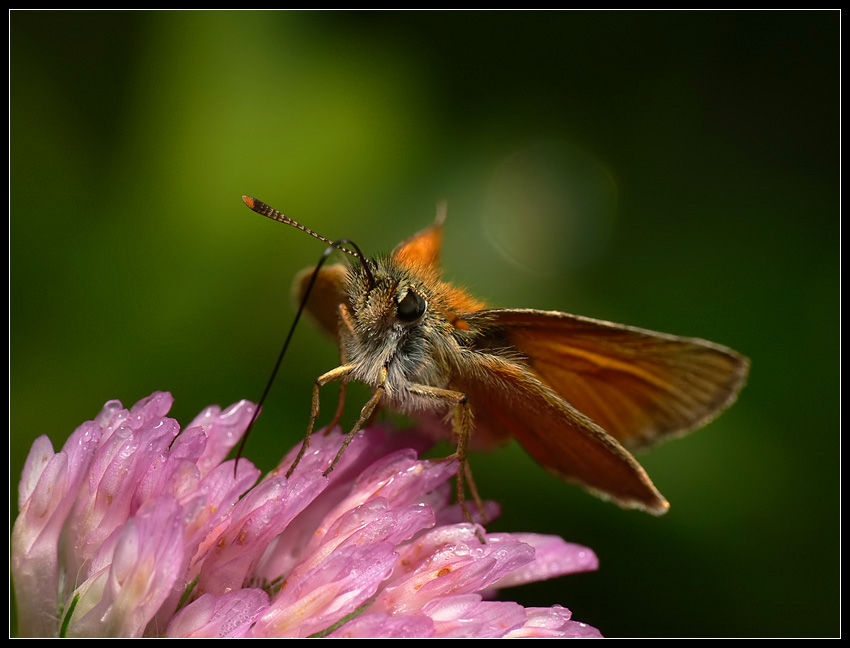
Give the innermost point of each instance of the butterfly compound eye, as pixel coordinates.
(411, 307)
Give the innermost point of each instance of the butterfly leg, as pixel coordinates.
(347, 323)
(462, 427)
(340, 373)
(365, 415)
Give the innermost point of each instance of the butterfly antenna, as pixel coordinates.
(263, 209)
(332, 245)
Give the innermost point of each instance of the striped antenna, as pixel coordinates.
(262, 208)
(270, 212)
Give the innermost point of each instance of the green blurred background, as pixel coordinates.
(676, 171)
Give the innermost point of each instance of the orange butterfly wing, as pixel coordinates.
(507, 398)
(420, 254)
(329, 291)
(422, 250)
(639, 386)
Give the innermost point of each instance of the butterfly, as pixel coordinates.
(580, 395)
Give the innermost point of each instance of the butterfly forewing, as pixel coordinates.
(329, 291)
(637, 385)
(422, 250)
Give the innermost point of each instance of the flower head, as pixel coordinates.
(136, 529)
